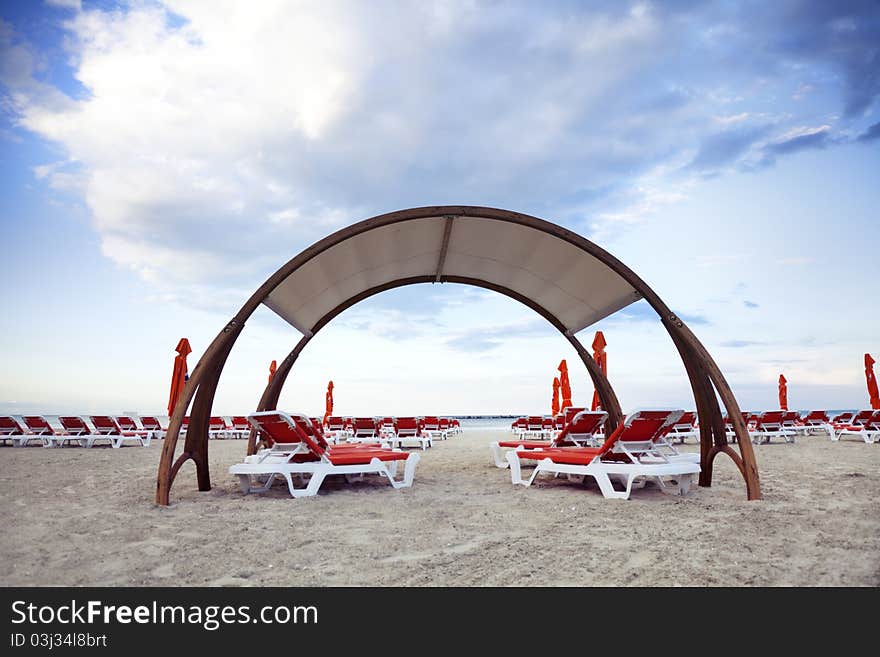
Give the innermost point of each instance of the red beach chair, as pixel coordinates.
(628, 456)
(301, 454)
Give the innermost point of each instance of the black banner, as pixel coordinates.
(117, 620)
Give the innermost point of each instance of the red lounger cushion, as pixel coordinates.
(574, 456)
(525, 444)
(360, 457)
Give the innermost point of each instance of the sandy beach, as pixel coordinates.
(82, 517)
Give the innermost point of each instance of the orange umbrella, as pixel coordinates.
(601, 359)
(272, 367)
(783, 393)
(873, 393)
(554, 404)
(329, 404)
(179, 375)
(564, 385)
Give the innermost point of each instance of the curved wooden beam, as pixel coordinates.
(218, 350)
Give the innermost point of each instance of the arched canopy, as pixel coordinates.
(575, 288)
(569, 280)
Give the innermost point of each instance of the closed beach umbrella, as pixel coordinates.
(783, 393)
(564, 386)
(272, 367)
(601, 359)
(179, 374)
(328, 407)
(554, 404)
(873, 393)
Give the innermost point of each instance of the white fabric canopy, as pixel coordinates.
(571, 284)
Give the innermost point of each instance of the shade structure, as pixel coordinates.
(562, 276)
(272, 367)
(601, 359)
(783, 393)
(529, 262)
(179, 373)
(554, 402)
(871, 380)
(328, 403)
(564, 386)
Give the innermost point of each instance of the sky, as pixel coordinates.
(160, 160)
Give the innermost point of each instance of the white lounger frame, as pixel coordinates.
(672, 477)
(317, 471)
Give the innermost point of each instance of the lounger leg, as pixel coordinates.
(515, 469)
(607, 488)
(409, 471)
(498, 455)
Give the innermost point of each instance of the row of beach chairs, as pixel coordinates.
(75, 430)
(391, 431)
(295, 450)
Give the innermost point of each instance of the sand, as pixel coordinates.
(82, 517)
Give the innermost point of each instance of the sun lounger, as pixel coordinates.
(39, 426)
(152, 424)
(577, 433)
(10, 429)
(817, 421)
(769, 426)
(432, 428)
(364, 430)
(297, 451)
(407, 433)
(685, 428)
(865, 425)
(241, 428)
(217, 427)
(76, 426)
(107, 427)
(628, 457)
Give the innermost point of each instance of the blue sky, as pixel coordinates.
(160, 160)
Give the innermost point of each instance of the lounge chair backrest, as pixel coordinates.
(289, 430)
(185, 422)
(770, 419)
(407, 426)
(842, 417)
(535, 423)
(9, 426)
(335, 423)
(443, 424)
(74, 424)
(126, 423)
(240, 423)
(151, 423)
(570, 412)
(861, 417)
(105, 424)
(816, 417)
(216, 423)
(38, 425)
(582, 426)
(687, 420)
(791, 416)
(431, 423)
(642, 427)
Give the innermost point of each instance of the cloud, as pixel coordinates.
(76, 5)
(212, 142)
(726, 147)
(740, 344)
(872, 133)
(484, 339)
